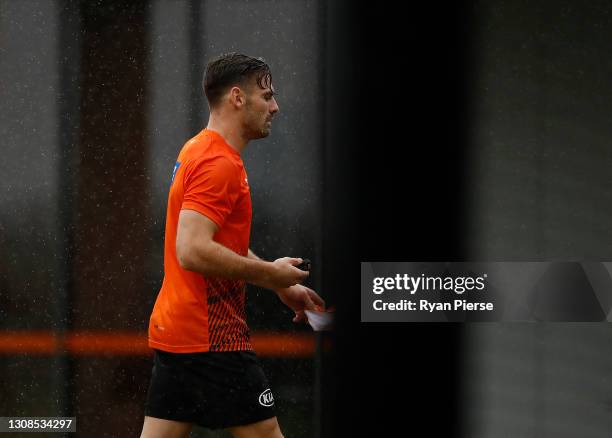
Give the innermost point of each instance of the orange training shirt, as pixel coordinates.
(194, 313)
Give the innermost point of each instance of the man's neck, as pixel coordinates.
(228, 131)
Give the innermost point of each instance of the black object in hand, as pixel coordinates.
(305, 265)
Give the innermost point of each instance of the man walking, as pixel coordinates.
(205, 371)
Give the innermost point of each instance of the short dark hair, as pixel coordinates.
(233, 69)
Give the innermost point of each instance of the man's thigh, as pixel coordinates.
(160, 428)
(262, 429)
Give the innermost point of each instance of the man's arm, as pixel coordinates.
(252, 255)
(197, 251)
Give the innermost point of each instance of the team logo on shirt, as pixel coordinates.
(266, 399)
(176, 166)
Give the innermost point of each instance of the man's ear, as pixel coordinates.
(237, 97)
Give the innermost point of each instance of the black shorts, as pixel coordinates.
(216, 390)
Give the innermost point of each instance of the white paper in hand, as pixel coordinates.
(320, 321)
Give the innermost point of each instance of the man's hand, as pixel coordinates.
(300, 298)
(284, 274)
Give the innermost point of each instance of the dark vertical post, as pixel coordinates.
(112, 209)
(197, 67)
(319, 359)
(112, 205)
(340, 245)
(69, 113)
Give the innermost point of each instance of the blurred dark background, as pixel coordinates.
(469, 131)
(539, 188)
(97, 98)
(487, 139)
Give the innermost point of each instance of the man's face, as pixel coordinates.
(259, 110)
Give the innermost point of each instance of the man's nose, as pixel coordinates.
(275, 107)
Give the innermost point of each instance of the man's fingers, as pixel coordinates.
(295, 262)
(302, 275)
(299, 316)
(316, 298)
(308, 303)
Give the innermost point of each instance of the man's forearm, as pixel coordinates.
(215, 260)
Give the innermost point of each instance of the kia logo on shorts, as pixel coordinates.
(266, 398)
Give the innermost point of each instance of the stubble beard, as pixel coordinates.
(255, 132)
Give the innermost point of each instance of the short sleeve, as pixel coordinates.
(210, 188)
